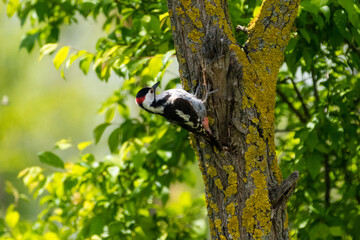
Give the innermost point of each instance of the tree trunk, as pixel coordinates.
(245, 193)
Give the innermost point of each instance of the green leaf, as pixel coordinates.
(23, 173)
(99, 130)
(110, 114)
(61, 56)
(319, 3)
(153, 67)
(85, 63)
(305, 34)
(256, 11)
(63, 144)
(307, 58)
(154, 25)
(62, 73)
(351, 11)
(47, 49)
(88, 157)
(51, 235)
(51, 159)
(326, 11)
(319, 231)
(311, 140)
(114, 140)
(28, 41)
(336, 231)
(340, 19)
(124, 110)
(115, 228)
(321, 147)
(81, 146)
(319, 20)
(97, 225)
(69, 183)
(163, 16)
(125, 148)
(85, 8)
(12, 217)
(310, 6)
(313, 163)
(75, 56)
(12, 7)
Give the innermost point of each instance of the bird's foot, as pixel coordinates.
(208, 93)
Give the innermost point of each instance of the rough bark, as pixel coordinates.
(245, 193)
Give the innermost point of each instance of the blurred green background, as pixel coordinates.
(43, 108)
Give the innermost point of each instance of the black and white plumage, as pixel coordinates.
(178, 107)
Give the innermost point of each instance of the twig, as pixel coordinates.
(316, 93)
(306, 110)
(284, 190)
(291, 106)
(241, 28)
(327, 181)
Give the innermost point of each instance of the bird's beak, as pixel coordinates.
(155, 85)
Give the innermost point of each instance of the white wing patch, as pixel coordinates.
(184, 116)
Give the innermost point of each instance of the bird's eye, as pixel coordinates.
(151, 90)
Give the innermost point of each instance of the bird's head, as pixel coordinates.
(146, 96)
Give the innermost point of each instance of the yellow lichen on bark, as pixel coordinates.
(256, 150)
(255, 120)
(232, 181)
(179, 10)
(256, 214)
(191, 18)
(233, 227)
(219, 184)
(266, 45)
(217, 10)
(218, 224)
(213, 206)
(259, 94)
(230, 209)
(195, 35)
(212, 227)
(286, 222)
(211, 171)
(182, 60)
(192, 12)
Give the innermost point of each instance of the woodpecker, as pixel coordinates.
(178, 107)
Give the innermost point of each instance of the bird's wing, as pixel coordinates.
(183, 113)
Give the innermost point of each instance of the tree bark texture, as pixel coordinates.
(245, 192)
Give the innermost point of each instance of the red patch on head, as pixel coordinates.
(140, 100)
